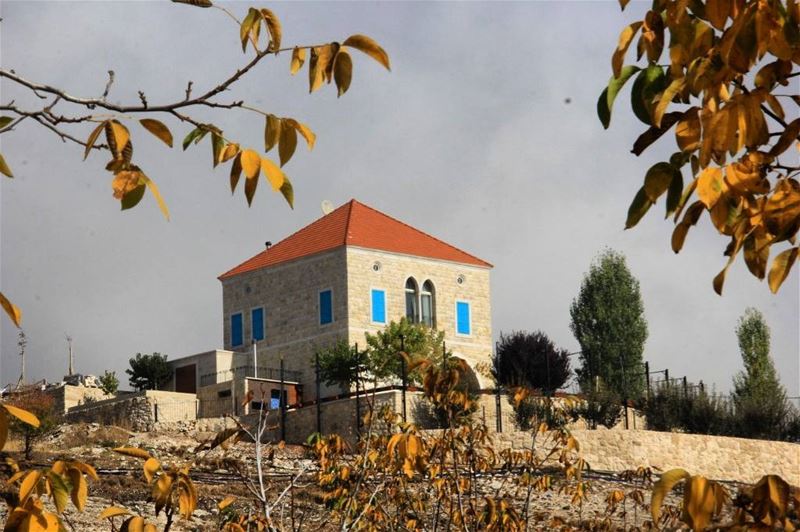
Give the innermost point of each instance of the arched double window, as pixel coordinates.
(420, 307)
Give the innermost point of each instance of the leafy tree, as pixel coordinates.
(342, 364)
(530, 360)
(109, 382)
(609, 323)
(148, 372)
(417, 340)
(759, 398)
(727, 89)
(67, 115)
(40, 404)
(601, 407)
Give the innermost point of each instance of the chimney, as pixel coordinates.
(268, 244)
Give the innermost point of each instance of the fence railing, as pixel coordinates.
(240, 372)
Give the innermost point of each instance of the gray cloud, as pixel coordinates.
(469, 138)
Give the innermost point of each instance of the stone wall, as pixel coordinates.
(138, 411)
(716, 457)
(68, 396)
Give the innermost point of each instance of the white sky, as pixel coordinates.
(470, 138)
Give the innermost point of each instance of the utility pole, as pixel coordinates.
(22, 342)
(69, 343)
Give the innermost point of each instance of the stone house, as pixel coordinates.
(351, 271)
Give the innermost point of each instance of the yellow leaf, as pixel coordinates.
(93, 138)
(710, 186)
(121, 137)
(4, 436)
(625, 39)
(272, 132)
(662, 487)
(781, 267)
(658, 179)
(149, 527)
(298, 58)
(132, 451)
(251, 163)
(287, 144)
(788, 136)
(229, 152)
(666, 98)
(288, 191)
(227, 501)
(151, 467)
(113, 511)
(274, 28)
(249, 22)
(80, 490)
(28, 484)
(133, 524)
(162, 489)
(157, 195)
(126, 181)
(687, 132)
(250, 185)
(770, 500)
(304, 130)
(158, 129)
(273, 173)
(321, 57)
(13, 312)
(699, 502)
(370, 47)
(86, 469)
(41, 522)
(717, 12)
(22, 415)
(4, 169)
(342, 71)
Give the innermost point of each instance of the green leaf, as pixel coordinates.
(658, 179)
(606, 101)
(639, 207)
(60, 491)
(288, 191)
(217, 143)
(4, 169)
(4, 121)
(272, 132)
(132, 198)
(674, 193)
(194, 135)
(647, 84)
(654, 133)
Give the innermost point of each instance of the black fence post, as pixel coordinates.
(647, 377)
(358, 403)
(497, 408)
(685, 388)
(319, 405)
(403, 374)
(282, 403)
(666, 376)
(702, 386)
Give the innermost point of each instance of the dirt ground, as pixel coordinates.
(122, 482)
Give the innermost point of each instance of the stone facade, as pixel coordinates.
(370, 269)
(68, 396)
(289, 294)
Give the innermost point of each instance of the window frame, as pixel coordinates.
(469, 318)
(372, 292)
(432, 294)
(230, 323)
(263, 324)
(319, 307)
(415, 318)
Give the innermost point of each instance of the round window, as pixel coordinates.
(460, 279)
(376, 266)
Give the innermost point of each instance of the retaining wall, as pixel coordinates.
(138, 411)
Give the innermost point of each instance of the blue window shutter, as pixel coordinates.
(462, 318)
(237, 335)
(378, 306)
(257, 323)
(325, 307)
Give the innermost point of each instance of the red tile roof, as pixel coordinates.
(355, 224)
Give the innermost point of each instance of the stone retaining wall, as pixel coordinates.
(138, 411)
(717, 457)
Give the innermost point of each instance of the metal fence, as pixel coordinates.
(240, 372)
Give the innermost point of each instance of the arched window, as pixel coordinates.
(427, 304)
(412, 300)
